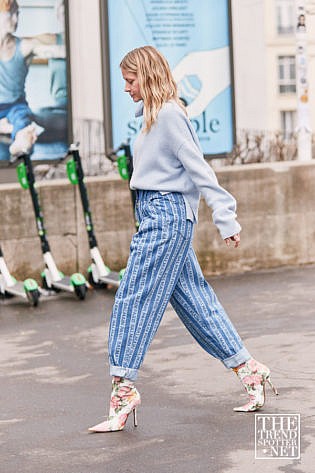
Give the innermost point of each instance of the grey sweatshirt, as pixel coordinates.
(169, 158)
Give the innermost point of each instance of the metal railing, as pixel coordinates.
(90, 135)
(259, 146)
(253, 146)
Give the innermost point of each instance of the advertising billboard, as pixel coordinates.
(34, 95)
(195, 37)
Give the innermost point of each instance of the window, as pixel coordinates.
(285, 16)
(288, 122)
(286, 74)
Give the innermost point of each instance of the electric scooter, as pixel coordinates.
(52, 278)
(123, 158)
(9, 286)
(99, 275)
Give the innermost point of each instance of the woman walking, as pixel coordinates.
(169, 175)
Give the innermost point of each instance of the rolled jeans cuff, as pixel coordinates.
(235, 360)
(128, 373)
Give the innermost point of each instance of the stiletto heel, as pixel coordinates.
(135, 419)
(124, 400)
(272, 386)
(254, 376)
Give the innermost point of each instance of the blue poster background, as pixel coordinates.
(194, 37)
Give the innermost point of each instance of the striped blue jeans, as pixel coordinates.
(162, 268)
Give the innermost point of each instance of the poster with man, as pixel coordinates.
(33, 79)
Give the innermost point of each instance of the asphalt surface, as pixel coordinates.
(54, 384)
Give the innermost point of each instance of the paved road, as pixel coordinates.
(54, 384)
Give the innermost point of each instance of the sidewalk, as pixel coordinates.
(54, 384)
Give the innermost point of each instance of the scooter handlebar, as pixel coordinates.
(113, 153)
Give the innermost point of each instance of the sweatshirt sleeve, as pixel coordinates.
(188, 152)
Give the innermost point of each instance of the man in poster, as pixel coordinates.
(16, 54)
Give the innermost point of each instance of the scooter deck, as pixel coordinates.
(17, 289)
(112, 278)
(64, 284)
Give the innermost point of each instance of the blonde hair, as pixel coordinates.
(156, 82)
(8, 6)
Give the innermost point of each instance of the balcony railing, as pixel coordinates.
(285, 30)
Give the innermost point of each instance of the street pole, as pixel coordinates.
(304, 134)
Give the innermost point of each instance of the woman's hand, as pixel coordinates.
(235, 238)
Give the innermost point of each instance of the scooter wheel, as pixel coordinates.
(80, 291)
(96, 285)
(33, 297)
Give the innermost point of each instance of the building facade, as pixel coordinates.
(265, 46)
